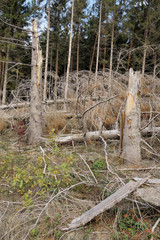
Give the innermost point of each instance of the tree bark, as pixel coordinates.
(105, 43)
(144, 55)
(111, 62)
(47, 50)
(35, 122)
(99, 37)
(91, 62)
(129, 55)
(77, 80)
(56, 77)
(5, 78)
(69, 54)
(132, 137)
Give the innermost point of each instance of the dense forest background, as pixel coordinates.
(130, 30)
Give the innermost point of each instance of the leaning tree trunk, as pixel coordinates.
(131, 133)
(35, 122)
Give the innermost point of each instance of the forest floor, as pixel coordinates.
(44, 187)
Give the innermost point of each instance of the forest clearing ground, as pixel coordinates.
(31, 177)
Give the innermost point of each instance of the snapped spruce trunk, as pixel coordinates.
(131, 132)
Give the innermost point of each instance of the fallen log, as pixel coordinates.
(87, 136)
(67, 138)
(48, 102)
(106, 204)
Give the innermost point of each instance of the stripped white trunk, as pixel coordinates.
(35, 122)
(131, 139)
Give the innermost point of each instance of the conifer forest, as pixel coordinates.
(79, 119)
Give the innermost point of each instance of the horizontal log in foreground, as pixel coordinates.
(110, 134)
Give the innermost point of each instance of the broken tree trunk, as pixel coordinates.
(106, 204)
(131, 133)
(35, 122)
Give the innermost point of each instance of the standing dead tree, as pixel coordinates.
(132, 119)
(35, 122)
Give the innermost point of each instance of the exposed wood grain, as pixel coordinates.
(106, 204)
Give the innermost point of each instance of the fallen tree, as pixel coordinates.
(106, 204)
(110, 134)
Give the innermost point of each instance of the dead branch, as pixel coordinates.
(90, 108)
(106, 204)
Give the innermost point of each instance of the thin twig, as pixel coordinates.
(106, 158)
(88, 168)
(150, 122)
(154, 227)
(45, 164)
(90, 108)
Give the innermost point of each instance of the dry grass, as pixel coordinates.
(3, 124)
(55, 121)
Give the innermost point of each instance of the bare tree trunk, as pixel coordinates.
(144, 55)
(111, 62)
(132, 137)
(56, 77)
(154, 71)
(99, 37)
(146, 38)
(69, 54)
(5, 78)
(129, 55)
(105, 43)
(91, 62)
(77, 80)
(2, 79)
(72, 54)
(35, 122)
(47, 50)
(104, 56)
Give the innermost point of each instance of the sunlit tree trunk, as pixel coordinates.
(111, 62)
(77, 80)
(5, 78)
(47, 50)
(99, 36)
(35, 121)
(132, 120)
(129, 55)
(69, 54)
